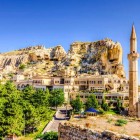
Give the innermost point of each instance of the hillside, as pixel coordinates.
(100, 57)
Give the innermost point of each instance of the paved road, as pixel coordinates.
(59, 117)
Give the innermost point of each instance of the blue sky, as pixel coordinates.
(60, 22)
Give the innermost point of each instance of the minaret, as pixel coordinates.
(133, 75)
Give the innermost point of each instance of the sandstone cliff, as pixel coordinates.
(103, 57)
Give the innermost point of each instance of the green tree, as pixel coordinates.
(56, 97)
(40, 100)
(91, 102)
(22, 111)
(27, 93)
(35, 107)
(11, 113)
(77, 104)
(104, 105)
(30, 110)
(119, 105)
(31, 117)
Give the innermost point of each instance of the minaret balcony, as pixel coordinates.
(133, 56)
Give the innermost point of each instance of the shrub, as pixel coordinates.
(11, 75)
(121, 122)
(49, 136)
(22, 66)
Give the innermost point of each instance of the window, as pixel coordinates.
(56, 82)
(83, 82)
(67, 82)
(114, 97)
(99, 97)
(126, 98)
(106, 97)
(99, 82)
(124, 81)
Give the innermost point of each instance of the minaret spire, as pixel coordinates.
(133, 33)
(133, 40)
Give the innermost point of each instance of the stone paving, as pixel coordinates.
(60, 116)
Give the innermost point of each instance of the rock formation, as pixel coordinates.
(104, 56)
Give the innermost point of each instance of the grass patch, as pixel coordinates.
(113, 112)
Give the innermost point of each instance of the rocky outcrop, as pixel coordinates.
(13, 60)
(103, 57)
(57, 53)
(31, 54)
(67, 131)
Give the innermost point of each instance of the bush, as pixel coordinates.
(101, 111)
(22, 66)
(121, 122)
(11, 75)
(49, 136)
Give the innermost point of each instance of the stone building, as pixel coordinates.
(18, 77)
(83, 85)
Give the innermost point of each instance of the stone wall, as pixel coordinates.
(69, 131)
